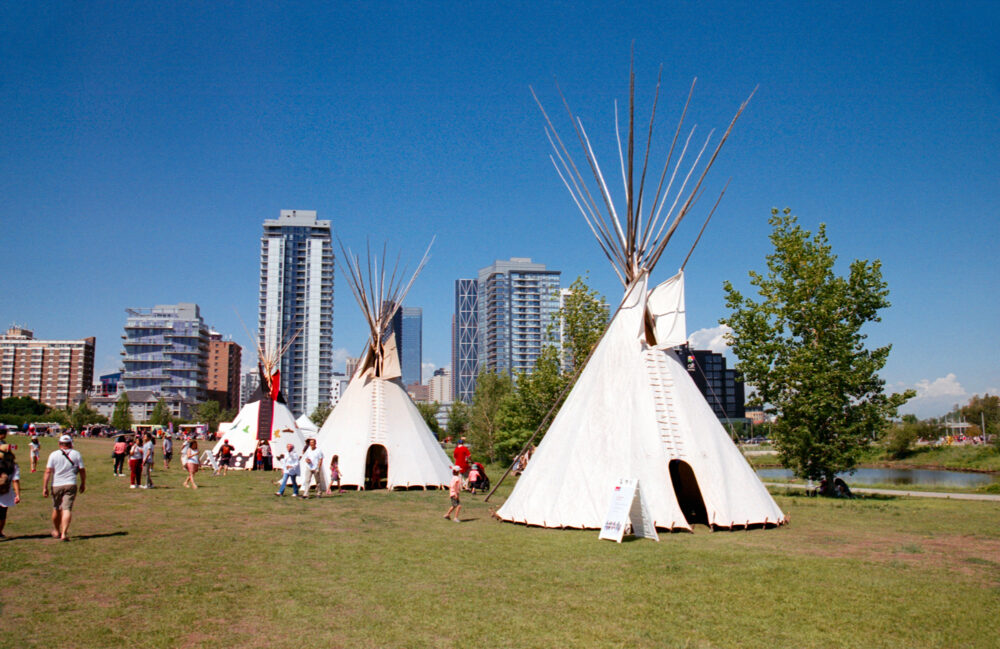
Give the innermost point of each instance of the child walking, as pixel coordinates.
(334, 475)
(454, 489)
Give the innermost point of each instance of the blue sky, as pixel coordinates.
(143, 144)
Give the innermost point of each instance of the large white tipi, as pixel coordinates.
(379, 435)
(634, 411)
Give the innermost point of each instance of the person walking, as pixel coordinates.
(313, 459)
(190, 462)
(118, 452)
(454, 491)
(135, 462)
(290, 472)
(334, 475)
(61, 471)
(147, 459)
(10, 487)
(168, 450)
(35, 448)
(461, 455)
(225, 457)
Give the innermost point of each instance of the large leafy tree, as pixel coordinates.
(161, 413)
(535, 395)
(121, 418)
(210, 413)
(429, 412)
(801, 348)
(458, 419)
(492, 393)
(584, 317)
(84, 415)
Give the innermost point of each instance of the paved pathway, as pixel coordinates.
(895, 492)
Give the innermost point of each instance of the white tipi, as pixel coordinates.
(375, 429)
(264, 417)
(634, 411)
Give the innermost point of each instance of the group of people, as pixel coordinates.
(62, 471)
(311, 462)
(140, 450)
(466, 475)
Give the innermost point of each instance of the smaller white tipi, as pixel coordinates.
(379, 435)
(264, 417)
(306, 425)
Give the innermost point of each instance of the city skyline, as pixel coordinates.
(143, 151)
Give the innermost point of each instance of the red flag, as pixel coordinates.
(275, 385)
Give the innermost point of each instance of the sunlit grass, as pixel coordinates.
(232, 565)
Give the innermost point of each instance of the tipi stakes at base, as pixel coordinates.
(634, 411)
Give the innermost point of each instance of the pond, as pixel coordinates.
(902, 477)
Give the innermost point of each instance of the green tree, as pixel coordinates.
(429, 411)
(23, 406)
(121, 418)
(84, 415)
(161, 413)
(533, 397)
(801, 349)
(320, 413)
(584, 317)
(458, 420)
(982, 409)
(493, 391)
(58, 416)
(210, 413)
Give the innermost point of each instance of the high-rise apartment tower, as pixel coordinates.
(407, 324)
(296, 297)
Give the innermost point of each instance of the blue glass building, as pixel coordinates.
(407, 324)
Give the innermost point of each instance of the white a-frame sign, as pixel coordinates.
(628, 507)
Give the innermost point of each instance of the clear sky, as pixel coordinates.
(143, 144)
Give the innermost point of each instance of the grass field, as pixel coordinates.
(231, 565)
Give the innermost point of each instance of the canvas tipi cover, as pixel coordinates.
(307, 427)
(375, 428)
(636, 413)
(243, 432)
(377, 411)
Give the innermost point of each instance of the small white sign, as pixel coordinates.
(628, 508)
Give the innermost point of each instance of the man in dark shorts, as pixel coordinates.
(225, 456)
(64, 465)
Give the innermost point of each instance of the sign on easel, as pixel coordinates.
(628, 508)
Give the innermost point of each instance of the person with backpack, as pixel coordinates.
(10, 482)
(64, 465)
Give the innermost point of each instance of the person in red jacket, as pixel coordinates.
(462, 454)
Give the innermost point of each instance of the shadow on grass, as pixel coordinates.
(81, 537)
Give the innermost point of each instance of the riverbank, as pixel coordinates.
(977, 459)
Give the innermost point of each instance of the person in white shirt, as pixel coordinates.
(60, 474)
(291, 471)
(147, 459)
(312, 457)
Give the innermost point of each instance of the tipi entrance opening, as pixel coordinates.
(376, 467)
(687, 492)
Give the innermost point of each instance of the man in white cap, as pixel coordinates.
(61, 470)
